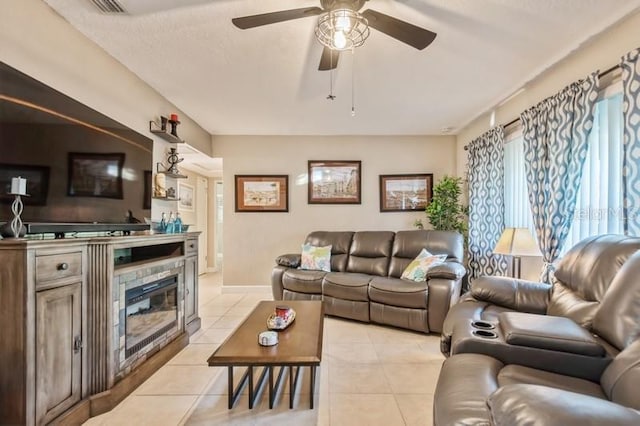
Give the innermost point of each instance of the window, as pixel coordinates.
(599, 202)
(517, 213)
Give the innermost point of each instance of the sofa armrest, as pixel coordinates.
(277, 287)
(447, 270)
(521, 404)
(517, 294)
(291, 260)
(548, 332)
(443, 293)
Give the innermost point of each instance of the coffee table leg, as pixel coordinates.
(230, 376)
(277, 385)
(313, 385)
(270, 387)
(292, 389)
(234, 394)
(250, 387)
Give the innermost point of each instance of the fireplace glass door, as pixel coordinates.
(151, 310)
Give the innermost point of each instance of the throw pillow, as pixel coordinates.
(417, 269)
(316, 258)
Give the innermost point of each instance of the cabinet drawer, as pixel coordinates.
(56, 266)
(191, 246)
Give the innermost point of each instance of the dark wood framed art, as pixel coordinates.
(404, 193)
(95, 175)
(37, 183)
(262, 193)
(334, 182)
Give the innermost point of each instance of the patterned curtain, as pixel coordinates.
(555, 134)
(486, 203)
(631, 161)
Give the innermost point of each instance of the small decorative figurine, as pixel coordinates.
(173, 160)
(161, 186)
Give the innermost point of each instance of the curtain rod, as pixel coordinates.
(517, 119)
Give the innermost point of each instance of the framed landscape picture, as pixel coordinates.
(402, 193)
(262, 193)
(95, 175)
(334, 182)
(186, 200)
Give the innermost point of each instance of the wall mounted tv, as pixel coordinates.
(84, 170)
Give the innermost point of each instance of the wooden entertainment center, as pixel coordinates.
(73, 342)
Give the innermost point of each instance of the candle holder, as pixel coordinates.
(174, 127)
(15, 228)
(16, 222)
(173, 159)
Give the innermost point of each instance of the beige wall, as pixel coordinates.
(253, 240)
(37, 41)
(602, 52)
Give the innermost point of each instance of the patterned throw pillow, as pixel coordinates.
(417, 269)
(316, 258)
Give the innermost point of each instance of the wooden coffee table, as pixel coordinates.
(299, 345)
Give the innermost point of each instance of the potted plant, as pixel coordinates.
(445, 211)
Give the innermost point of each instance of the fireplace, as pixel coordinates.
(151, 310)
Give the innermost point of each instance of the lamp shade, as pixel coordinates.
(517, 242)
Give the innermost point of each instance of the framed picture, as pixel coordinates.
(95, 175)
(404, 193)
(37, 183)
(262, 193)
(186, 199)
(334, 182)
(146, 197)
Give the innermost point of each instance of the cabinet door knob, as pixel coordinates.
(192, 245)
(63, 266)
(77, 344)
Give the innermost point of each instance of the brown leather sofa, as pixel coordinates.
(577, 369)
(364, 283)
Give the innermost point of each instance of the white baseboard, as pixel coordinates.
(227, 289)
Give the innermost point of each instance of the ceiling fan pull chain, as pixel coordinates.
(353, 84)
(331, 96)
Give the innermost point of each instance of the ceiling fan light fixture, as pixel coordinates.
(342, 29)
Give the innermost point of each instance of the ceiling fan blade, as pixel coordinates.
(400, 30)
(329, 59)
(252, 21)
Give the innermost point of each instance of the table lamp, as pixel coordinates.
(516, 242)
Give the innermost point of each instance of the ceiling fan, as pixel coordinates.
(405, 32)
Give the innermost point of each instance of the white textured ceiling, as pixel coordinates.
(265, 81)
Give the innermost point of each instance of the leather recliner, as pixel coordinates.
(581, 280)
(480, 389)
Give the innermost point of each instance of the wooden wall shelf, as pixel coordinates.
(173, 175)
(166, 198)
(164, 134)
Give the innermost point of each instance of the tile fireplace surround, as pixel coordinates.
(127, 280)
(369, 375)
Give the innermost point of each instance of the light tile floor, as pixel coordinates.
(370, 375)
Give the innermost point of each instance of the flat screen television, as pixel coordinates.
(84, 171)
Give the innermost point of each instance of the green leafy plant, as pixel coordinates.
(445, 211)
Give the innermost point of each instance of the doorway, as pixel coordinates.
(218, 194)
